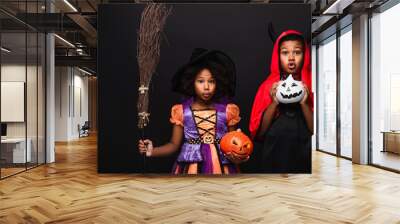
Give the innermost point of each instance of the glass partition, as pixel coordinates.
(22, 63)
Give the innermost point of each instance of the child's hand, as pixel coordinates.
(237, 159)
(146, 146)
(273, 91)
(306, 93)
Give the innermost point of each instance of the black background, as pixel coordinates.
(240, 30)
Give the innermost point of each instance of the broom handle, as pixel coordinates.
(142, 136)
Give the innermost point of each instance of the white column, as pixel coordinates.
(50, 93)
(360, 90)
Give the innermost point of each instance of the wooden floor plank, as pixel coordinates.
(71, 191)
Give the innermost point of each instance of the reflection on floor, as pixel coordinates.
(10, 169)
(386, 159)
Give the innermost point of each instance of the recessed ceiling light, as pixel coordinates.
(65, 41)
(70, 5)
(84, 71)
(338, 6)
(5, 50)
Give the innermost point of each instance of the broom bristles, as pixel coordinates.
(152, 22)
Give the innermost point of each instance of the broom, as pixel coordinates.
(152, 22)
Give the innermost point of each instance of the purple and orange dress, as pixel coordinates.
(203, 130)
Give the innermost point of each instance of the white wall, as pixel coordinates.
(17, 73)
(81, 104)
(62, 82)
(12, 73)
(71, 102)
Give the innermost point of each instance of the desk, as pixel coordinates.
(15, 148)
(391, 141)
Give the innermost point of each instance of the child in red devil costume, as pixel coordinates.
(285, 129)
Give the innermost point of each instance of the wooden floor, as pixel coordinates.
(71, 191)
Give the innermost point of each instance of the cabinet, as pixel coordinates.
(13, 150)
(391, 141)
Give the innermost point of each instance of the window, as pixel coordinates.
(346, 72)
(326, 91)
(385, 89)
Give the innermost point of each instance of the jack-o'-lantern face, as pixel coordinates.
(208, 139)
(290, 91)
(236, 142)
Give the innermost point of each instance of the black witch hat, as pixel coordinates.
(220, 65)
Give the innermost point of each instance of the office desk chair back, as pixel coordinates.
(84, 130)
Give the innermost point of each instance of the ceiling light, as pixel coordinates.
(5, 50)
(337, 7)
(84, 71)
(70, 5)
(64, 40)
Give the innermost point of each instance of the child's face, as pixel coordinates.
(205, 85)
(291, 56)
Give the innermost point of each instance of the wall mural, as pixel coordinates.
(204, 88)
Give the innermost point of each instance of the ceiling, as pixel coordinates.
(76, 22)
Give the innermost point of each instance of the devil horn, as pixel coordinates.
(271, 32)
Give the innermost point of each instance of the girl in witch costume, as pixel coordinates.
(285, 129)
(207, 81)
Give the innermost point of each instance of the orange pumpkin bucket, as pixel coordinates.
(236, 142)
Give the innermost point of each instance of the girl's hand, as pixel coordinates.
(237, 159)
(146, 146)
(306, 93)
(273, 91)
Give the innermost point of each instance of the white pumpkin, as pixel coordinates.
(290, 91)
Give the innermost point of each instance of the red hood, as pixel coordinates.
(263, 99)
